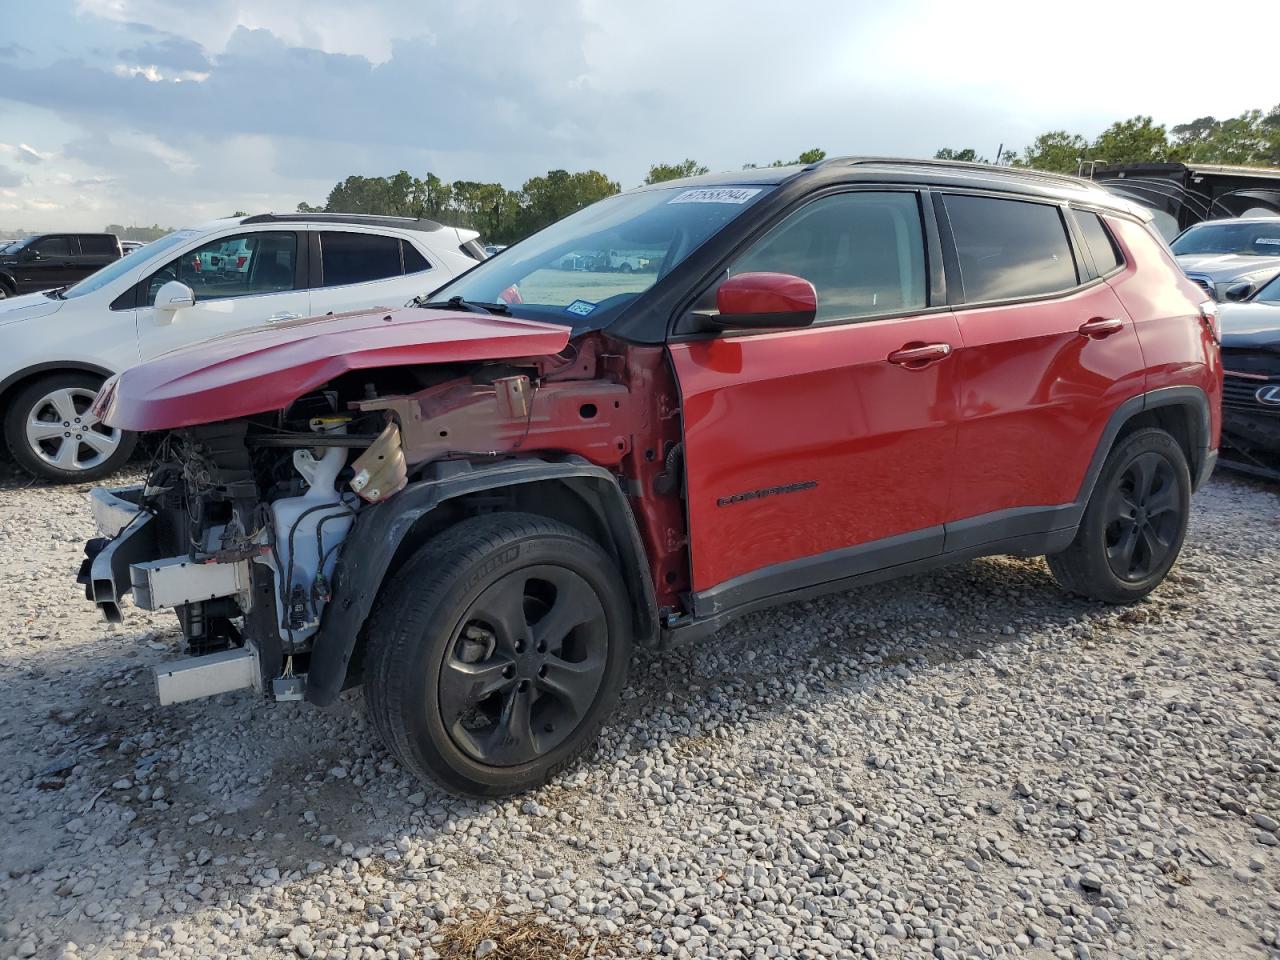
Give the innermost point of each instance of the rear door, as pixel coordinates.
(240, 281)
(1049, 352)
(96, 250)
(815, 454)
(352, 270)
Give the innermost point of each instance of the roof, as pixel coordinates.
(941, 173)
(366, 219)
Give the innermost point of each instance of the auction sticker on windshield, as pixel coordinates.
(580, 308)
(716, 195)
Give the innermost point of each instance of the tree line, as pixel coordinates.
(1251, 139)
(501, 215)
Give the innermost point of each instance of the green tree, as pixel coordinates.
(1245, 139)
(661, 172)
(1057, 151)
(1136, 140)
(967, 155)
(559, 193)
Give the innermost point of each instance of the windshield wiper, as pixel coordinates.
(56, 294)
(457, 303)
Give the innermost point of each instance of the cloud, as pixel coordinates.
(433, 90)
(24, 152)
(8, 50)
(176, 54)
(10, 178)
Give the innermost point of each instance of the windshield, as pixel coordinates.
(1257, 238)
(118, 268)
(586, 268)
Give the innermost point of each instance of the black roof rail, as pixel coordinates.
(987, 168)
(367, 219)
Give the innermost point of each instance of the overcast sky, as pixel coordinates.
(143, 111)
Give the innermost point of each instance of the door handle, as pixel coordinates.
(919, 356)
(1100, 327)
(280, 317)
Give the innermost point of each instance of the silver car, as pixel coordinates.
(1231, 259)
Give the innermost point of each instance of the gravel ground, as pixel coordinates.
(961, 764)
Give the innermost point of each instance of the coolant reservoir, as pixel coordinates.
(308, 530)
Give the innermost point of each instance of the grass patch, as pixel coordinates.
(523, 937)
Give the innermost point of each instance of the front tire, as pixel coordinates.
(496, 653)
(52, 434)
(1134, 524)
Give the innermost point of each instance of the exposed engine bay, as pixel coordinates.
(240, 524)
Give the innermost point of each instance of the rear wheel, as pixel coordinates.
(1134, 524)
(497, 652)
(52, 433)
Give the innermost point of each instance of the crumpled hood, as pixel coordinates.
(29, 306)
(267, 369)
(1221, 267)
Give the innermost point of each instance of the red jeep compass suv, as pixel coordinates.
(814, 377)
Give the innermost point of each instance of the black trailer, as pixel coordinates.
(1185, 193)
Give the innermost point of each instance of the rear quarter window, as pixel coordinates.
(1106, 256)
(414, 262)
(1009, 249)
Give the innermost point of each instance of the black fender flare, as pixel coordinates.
(380, 529)
(1202, 457)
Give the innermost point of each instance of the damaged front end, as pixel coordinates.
(241, 524)
(238, 529)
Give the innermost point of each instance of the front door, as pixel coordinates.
(816, 454)
(240, 282)
(45, 264)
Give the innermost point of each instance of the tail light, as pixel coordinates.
(1209, 317)
(240, 262)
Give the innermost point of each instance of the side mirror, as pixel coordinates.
(753, 301)
(30, 253)
(1240, 291)
(171, 298)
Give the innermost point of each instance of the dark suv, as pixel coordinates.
(826, 375)
(48, 260)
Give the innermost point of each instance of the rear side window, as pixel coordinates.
(1105, 255)
(1009, 248)
(96, 245)
(358, 257)
(414, 262)
(863, 252)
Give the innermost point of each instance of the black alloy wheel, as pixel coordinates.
(1134, 522)
(524, 667)
(496, 653)
(1144, 517)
